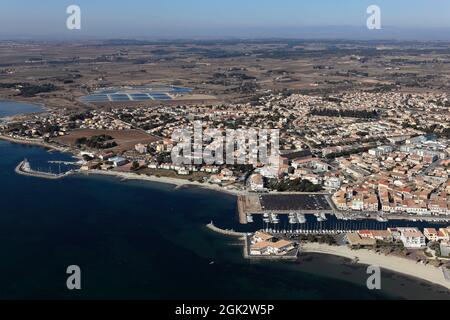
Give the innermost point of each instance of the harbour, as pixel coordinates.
(122, 235)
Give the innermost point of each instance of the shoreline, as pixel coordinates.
(178, 183)
(399, 265)
(36, 143)
(396, 264)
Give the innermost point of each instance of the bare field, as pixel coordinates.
(230, 71)
(125, 139)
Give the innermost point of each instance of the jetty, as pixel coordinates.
(24, 168)
(232, 233)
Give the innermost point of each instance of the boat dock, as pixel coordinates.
(23, 168)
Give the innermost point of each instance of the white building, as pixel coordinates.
(412, 238)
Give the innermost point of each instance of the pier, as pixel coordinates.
(23, 168)
(232, 233)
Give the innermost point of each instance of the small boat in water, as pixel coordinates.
(292, 218)
(274, 218)
(381, 219)
(320, 217)
(301, 218)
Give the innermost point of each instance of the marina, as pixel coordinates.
(24, 168)
(297, 223)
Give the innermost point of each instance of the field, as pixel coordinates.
(58, 75)
(125, 139)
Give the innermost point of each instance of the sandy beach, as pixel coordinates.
(393, 263)
(166, 180)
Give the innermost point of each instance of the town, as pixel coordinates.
(374, 153)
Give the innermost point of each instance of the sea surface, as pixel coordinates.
(10, 108)
(145, 240)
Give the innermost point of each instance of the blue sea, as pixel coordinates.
(144, 240)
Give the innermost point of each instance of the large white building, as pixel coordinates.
(412, 238)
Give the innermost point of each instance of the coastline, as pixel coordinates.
(178, 183)
(365, 257)
(37, 143)
(393, 263)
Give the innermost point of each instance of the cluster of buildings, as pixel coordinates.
(411, 178)
(412, 238)
(264, 244)
(370, 163)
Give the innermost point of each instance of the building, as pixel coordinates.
(431, 234)
(141, 148)
(264, 244)
(382, 235)
(256, 183)
(281, 247)
(118, 161)
(412, 238)
(261, 237)
(445, 249)
(355, 240)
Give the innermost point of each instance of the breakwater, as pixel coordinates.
(24, 169)
(227, 232)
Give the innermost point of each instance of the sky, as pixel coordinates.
(168, 19)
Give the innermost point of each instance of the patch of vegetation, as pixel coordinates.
(97, 142)
(32, 90)
(297, 185)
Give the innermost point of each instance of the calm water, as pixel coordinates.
(147, 240)
(8, 108)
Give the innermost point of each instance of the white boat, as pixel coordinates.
(292, 218)
(301, 218)
(249, 218)
(381, 219)
(274, 218)
(319, 217)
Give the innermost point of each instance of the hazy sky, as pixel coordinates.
(213, 18)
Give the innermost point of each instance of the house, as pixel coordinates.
(141, 148)
(281, 247)
(90, 165)
(445, 249)
(262, 244)
(355, 240)
(382, 235)
(261, 237)
(443, 234)
(256, 183)
(118, 161)
(106, 156)
(260, 248)
(183, 171)
(412, 238)
(431, 234)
